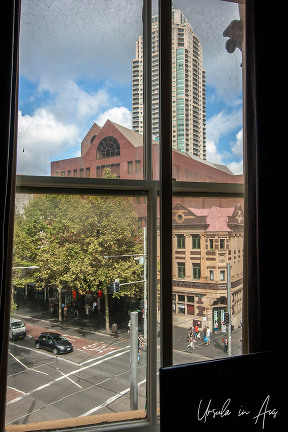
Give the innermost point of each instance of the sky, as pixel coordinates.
(75, 69)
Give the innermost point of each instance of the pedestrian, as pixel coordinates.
(216, 327)
(208, 335)
(95, 306)
(225, 341)
(196, 331)
(192, 343)
(204, 332)
(65, 312)
(190, 336)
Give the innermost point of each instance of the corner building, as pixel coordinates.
(204, 241)
(188, 87)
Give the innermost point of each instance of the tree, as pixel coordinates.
(68, 238)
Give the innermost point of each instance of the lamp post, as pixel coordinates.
(142, 260)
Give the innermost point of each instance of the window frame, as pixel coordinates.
(152, 190)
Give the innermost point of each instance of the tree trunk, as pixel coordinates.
(106, 311)
(60, 302)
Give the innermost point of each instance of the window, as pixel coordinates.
(130, 167)
(211, 244)
(194, 212)
(222, 275)
(222, 243)
(108, 147)
(211, 275)
(195, 241)
(180, 241)
(196, 271)
(137, 167)
(181, 270)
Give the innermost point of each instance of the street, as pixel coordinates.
(93, 379)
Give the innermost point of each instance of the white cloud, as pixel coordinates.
(41, 137)
(219, 127)
(237, 146)
(71, 103)
(236, 167)
(120, 115)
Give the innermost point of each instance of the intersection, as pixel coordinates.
(93, 379)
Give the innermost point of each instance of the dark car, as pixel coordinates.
(54, 342)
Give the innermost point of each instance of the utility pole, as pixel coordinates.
(145, 284)
(229, 307)
(134, 361)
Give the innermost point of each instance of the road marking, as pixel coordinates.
(44, 353)
(65, 375)
(12, 388)
(62, 377)
(110, 400)
(26, 367)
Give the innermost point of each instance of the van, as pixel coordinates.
(17, 329)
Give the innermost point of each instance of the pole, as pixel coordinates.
(134, 361)
(229, 307)
(145, 284)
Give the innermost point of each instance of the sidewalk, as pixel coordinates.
(216, 347)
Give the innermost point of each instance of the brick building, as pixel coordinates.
(121, 149)
(204, 241)
(208, 232)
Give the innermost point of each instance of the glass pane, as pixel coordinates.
(79, 273)
(75, 88)
(207, 126)
(204, 299)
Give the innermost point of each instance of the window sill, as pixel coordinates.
(78, 422)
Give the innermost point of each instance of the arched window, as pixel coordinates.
(108, 147)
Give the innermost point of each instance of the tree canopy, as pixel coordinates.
(71, 237)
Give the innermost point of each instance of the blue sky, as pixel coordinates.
(75, 69)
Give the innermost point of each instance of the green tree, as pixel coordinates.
(69, 238)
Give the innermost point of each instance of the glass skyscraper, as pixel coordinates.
(188, 87)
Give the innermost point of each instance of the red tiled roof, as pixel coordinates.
(217, 217)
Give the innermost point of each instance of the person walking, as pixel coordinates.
(190, 336)
(196, 331)
(216, 327)
(208, 335)
(225, 341)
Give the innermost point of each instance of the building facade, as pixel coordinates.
(204, 242)
(121, 150)
(188, 87)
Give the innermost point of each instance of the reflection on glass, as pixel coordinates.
(206, 92)
(211, 239)
(78, 274)
(75, 85)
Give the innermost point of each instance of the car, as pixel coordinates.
(17, 329)
(54, 342)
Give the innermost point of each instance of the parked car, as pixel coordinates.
(54, 342)
(17, 329)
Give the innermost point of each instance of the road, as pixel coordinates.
(93, 379)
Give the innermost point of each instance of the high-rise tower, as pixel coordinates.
(188, 87)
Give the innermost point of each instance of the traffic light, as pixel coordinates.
(226, 318)
(114, 287)
(99, 293)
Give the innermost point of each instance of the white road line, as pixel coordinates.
(69, 374)
(68, 378)
(44, 353)
(110, 400)
(12, 388)
(26, 367)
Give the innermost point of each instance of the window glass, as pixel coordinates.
(75, 86)
(86, 256)
(201, 292)
(207, 127)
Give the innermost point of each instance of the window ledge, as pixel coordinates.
(77, 422)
